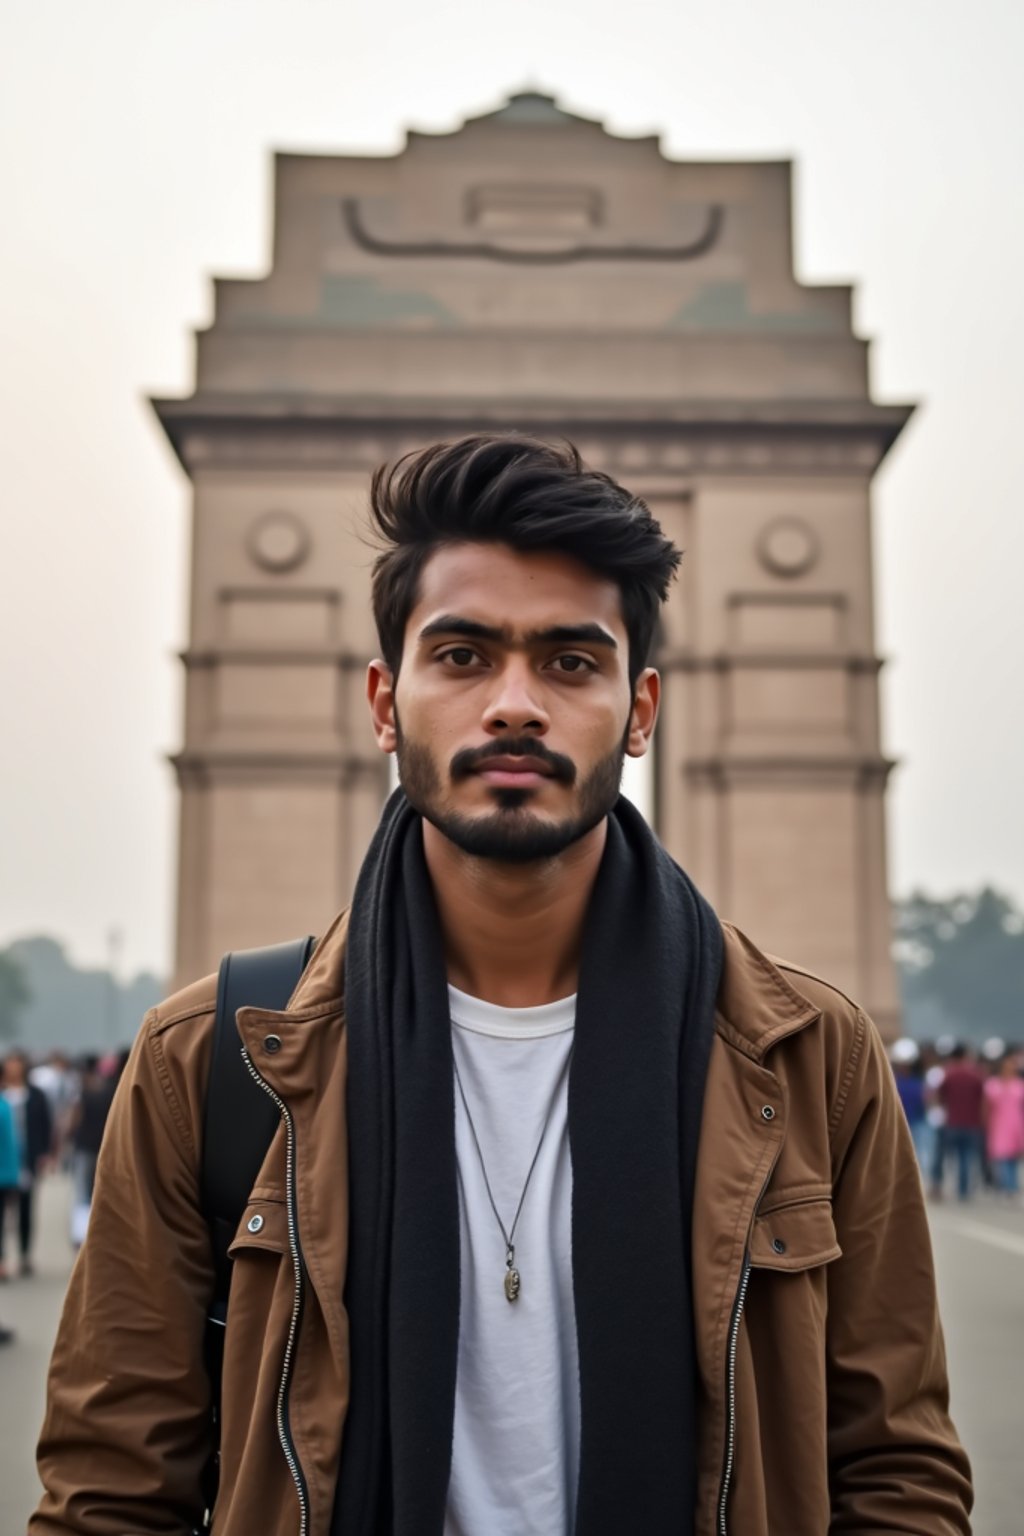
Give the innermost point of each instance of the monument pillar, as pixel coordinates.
(280, 778)
(770, 778)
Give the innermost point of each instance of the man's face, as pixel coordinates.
(14, 1071)
(512, 710)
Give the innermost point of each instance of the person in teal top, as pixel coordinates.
(9, 1167)
(10, 1161)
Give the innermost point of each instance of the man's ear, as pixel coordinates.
(380, 695)
(646, 698)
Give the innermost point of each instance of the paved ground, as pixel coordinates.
(980, 1255)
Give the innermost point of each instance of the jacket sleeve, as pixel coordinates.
(127, 1428)
(895, 1461)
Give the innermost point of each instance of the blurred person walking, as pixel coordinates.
(909, 1073)
(87, 1121)
(59, 1081)
(33, 1124)
(10, 1164)
(934, 1074)
(961, 1094)
(1003, 1114)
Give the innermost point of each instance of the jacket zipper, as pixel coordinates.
(731, 1352)
(283, 1431)
(730, 1433)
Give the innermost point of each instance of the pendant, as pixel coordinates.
(512, 1281)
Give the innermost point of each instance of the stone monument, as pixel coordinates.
(532, 270)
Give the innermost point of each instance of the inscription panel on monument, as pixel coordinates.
(759, 621)
(294, 617)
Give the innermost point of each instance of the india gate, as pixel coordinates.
(533, 271)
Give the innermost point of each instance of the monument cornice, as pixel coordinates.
(832, 436)
(789, 770)
(677, 660)
(298, 653)
(201, 766)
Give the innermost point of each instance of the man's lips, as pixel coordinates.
(514, 772)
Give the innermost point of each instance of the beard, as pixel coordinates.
(512, 833)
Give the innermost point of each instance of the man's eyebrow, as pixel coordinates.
(574, 634)
(451, 624)
(556, 634)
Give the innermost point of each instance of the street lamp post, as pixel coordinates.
(115, 941)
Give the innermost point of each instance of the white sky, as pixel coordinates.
(135, 138)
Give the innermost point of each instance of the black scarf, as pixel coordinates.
(651, 960)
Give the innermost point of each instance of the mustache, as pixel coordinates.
(471, 759)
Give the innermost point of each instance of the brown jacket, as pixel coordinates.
(823, 1396)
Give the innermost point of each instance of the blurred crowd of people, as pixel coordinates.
(965, 1109)
(52, 1116)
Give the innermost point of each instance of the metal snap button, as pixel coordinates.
(272, 1044)
(255, 1223)
(778, 1246)
(767, 1113)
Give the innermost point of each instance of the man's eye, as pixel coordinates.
(460, 656)
(573, 664)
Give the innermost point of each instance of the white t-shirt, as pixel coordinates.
(515, 1453)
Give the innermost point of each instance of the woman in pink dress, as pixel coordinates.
(1004, 1124)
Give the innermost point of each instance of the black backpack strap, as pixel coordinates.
(239, 1124)
(240, 1117)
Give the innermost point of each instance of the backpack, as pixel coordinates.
(240, 1120)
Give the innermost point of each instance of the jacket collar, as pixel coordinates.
(756, 1003)
(321, 984)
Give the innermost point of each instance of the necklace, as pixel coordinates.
(513, 1279)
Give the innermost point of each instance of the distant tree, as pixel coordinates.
(14, 995)
(961, 964)
(75, 1008)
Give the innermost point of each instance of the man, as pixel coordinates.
(583, 1215)
(961, 1093)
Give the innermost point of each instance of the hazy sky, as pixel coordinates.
(136, 139)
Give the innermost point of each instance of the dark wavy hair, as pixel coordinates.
(506, 488)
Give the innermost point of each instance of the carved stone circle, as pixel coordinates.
(278, 541)
(788, 547)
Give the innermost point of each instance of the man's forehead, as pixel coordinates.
(516, 590)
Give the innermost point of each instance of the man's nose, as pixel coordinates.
(515, 704)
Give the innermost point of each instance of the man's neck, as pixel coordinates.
(513, 932)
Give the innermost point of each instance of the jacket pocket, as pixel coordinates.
(795, 1237)
(263, 1227)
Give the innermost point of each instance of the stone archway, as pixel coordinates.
(532, 270)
